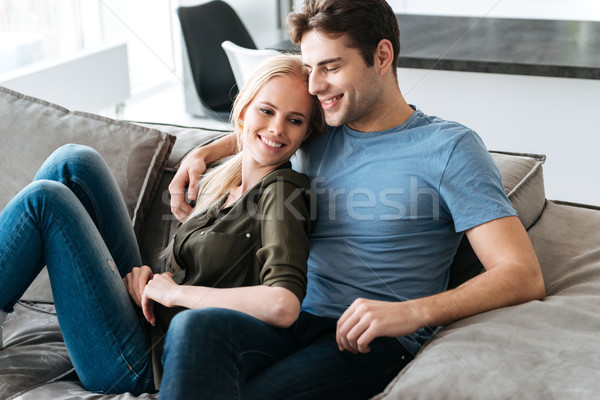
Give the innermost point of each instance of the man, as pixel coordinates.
(395, 191)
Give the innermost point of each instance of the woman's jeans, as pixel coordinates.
(73, 219)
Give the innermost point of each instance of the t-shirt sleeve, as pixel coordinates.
(285, 228)
(471, 186)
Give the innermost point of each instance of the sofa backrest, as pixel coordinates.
(32, 129)
(143, 159)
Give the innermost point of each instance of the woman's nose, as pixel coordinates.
(277, 126)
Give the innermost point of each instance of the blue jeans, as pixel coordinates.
(72, 218)
(222, 354)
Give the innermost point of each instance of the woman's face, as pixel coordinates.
(277, 120)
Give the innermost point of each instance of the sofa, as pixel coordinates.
(538, 350)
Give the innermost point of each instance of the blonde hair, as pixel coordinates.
(223, 179)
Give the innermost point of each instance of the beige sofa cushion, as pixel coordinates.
(523, 181)
(538, 350)
(32, 129)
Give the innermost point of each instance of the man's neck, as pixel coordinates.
(393, 111)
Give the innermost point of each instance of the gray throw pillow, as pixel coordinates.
(32, 129)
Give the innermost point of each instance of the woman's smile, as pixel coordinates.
(271, 143)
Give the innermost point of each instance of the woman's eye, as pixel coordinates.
(296, 121)
(266, 111)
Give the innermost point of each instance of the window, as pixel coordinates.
(35, 30)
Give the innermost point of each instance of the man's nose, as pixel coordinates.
(316, 83)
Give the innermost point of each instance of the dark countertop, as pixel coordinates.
(568, 49)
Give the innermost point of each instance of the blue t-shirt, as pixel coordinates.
(392, 207)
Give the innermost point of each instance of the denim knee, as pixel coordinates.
(181, 338)
(43, 196)
(212, 326)
(178, 327)
(46, 190)
(73, 150)
(68, 154)
(199, 321)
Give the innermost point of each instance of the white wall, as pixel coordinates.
(553, 116)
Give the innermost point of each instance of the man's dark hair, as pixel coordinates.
(366, 22)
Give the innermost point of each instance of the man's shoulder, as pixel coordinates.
(433, 123)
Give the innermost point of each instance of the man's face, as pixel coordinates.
(348, 89)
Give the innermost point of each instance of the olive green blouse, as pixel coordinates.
(262, 239)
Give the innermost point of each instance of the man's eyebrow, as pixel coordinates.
(326, 61)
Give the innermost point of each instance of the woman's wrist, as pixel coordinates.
(188, 296)
(178, 296)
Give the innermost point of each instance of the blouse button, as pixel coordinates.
(202, 233)
(248, 235)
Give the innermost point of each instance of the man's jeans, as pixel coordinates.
(72, 218)
(222, 354)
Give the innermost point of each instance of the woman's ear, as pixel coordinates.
(240, 119)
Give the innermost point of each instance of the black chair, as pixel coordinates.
(204, 28)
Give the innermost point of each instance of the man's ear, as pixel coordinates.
(384, 56)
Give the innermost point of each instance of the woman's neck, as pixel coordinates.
(252, 173)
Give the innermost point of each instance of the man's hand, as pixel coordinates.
(191, 169)
(160, 289)
(513, 276)
(136, 281)
(366, 320)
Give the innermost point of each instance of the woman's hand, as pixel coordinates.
(160, 289)
(136, 281)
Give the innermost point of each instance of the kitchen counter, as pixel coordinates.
(566, 49)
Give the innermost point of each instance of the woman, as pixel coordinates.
(73, 219)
